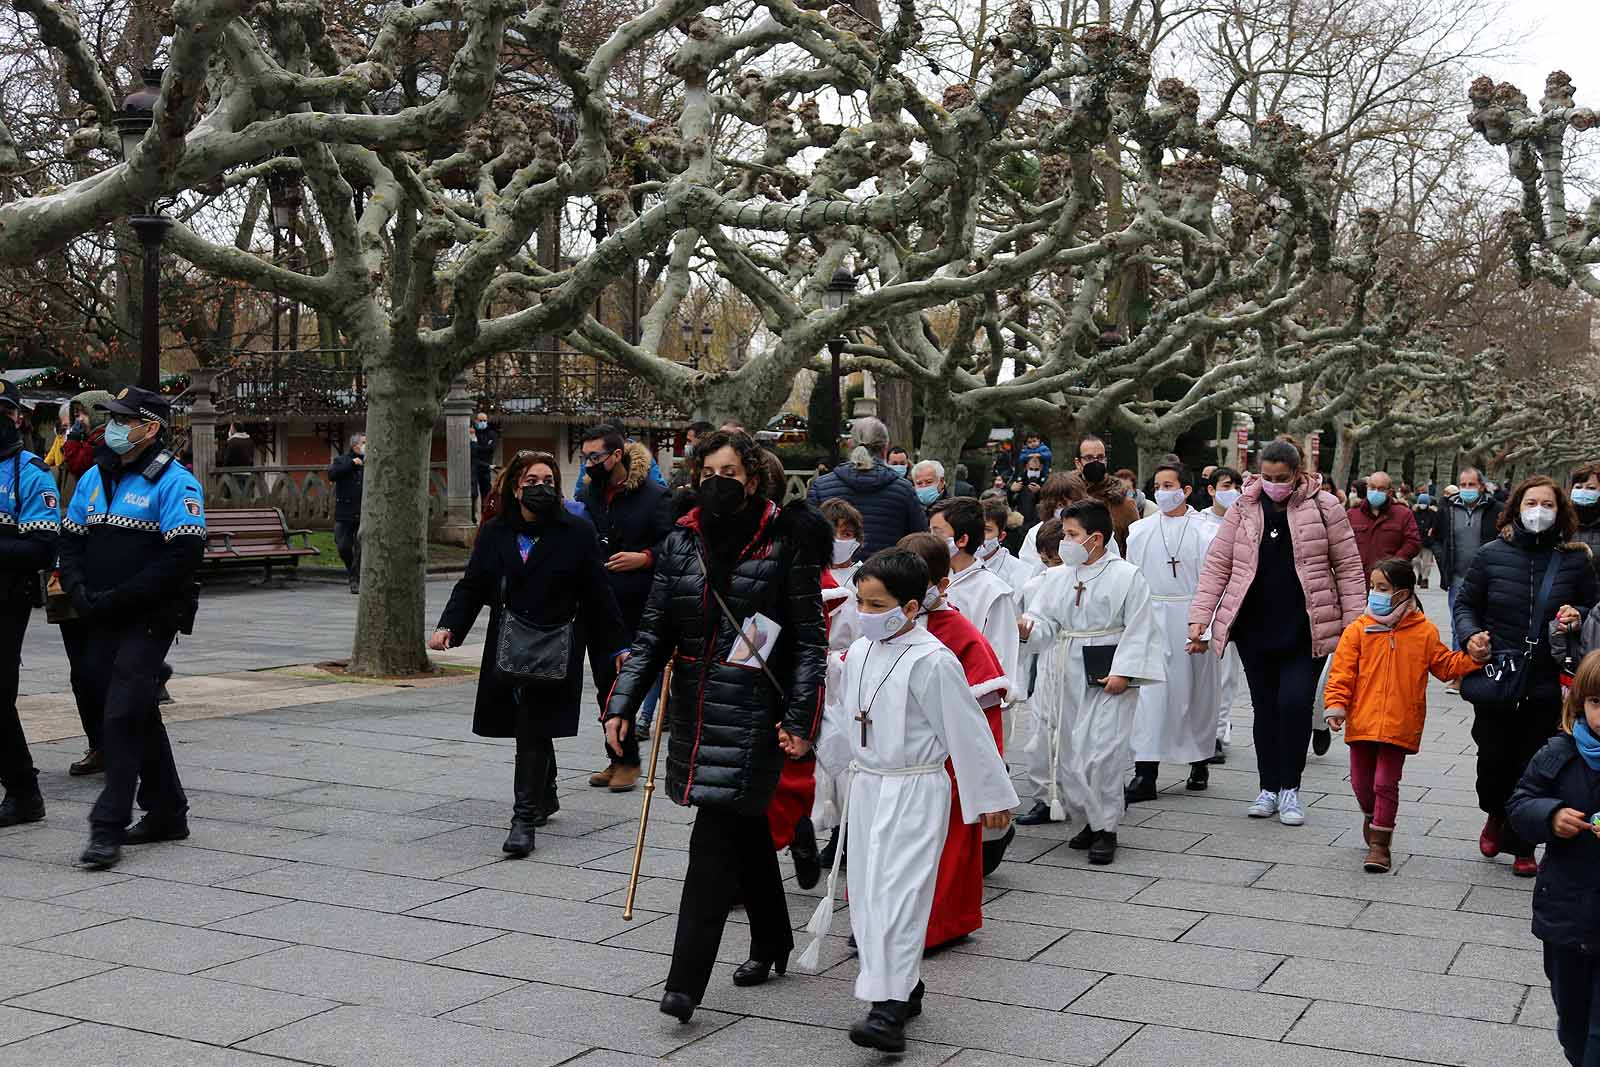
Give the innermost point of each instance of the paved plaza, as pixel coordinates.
(342, 900)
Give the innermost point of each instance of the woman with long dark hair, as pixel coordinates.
(542, 564)
(734, 566)
(1495, 608)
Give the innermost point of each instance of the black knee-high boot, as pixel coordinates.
(527, 785)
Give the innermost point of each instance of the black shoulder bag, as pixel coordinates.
(1504, 678)
(531, 652)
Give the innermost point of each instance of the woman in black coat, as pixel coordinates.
(1495, 605)
(731, 720)
(545, 565)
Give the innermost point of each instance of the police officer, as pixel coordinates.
(132, 540)
(29, 522)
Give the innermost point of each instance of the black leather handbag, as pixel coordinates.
(1504, 678)
(529, 651)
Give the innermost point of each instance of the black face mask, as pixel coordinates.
(1094, 471)
(10, 436)
(597, 473)
(541, 500)
(720, 496)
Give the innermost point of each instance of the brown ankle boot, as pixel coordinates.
(1366, 830)
(1378, 860)
(601, 779)
(623, 776)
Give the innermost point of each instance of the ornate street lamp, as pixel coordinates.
(284, 196)
(133, 122)
(839, 289)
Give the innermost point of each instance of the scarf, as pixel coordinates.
(1398, 612)
(1588, 743)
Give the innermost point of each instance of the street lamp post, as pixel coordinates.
(133, 122)
(840, 286)
(687, 331)
(283, 191)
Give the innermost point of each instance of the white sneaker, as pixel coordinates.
(1289, 810)
(1265, 805)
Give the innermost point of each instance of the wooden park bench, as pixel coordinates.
(254, 537)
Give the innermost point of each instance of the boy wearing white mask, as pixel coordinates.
(1224, 483)
(902, 709)
(1177, 720)
(994, 556)
(979, 594)
(1099, 638)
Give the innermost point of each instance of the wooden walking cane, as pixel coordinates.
(649, 791)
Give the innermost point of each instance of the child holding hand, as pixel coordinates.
(1377, 693)
(1554, 804)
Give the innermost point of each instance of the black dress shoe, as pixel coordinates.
(519, 842)
(1199, 777)
(20, 806)
(994, 852)
(914, 1005)
(677, 1005)
(884, 1028)
(1143, 787)
(1104, 849)
(151, 829)
(1321, 741)
(104, 851)
(1037, 815)
(1221, 756)
(756, 972)
(1082, 839)
(803, 850)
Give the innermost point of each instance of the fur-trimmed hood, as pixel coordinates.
(639, 462)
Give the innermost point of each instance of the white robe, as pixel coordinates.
(1029, 552)
(1177, 720)
(1230, 672)
(1009, 569)
(843, 629)
(990, 605)
(920, 713)
(1090, 730)
(1036, 751)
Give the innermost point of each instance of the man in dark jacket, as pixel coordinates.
(1384, 527)
(485, 440)
(887, 502)
(346, 473)
(631, 513)
(1467, 521)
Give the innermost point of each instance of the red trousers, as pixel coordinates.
(1375, 768)
(797, 788)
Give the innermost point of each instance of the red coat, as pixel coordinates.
(958, 894)
(1380, 535)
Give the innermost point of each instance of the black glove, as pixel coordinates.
(83, 602)
(77, 432)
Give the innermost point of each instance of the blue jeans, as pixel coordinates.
(1455, 589)
(647, 708)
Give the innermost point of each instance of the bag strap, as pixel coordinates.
(1536, 623)
(738, 635)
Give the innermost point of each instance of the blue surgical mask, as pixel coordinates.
(117, 438)
(1586, 497)
(1468, 496)
(483, 425)
(898, 468)
(1379, 603)
(928, 494)
(1377, 498)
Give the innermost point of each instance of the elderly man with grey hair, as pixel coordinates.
(887, 502)
(927, 478)
(345, 472)
(1467, 521)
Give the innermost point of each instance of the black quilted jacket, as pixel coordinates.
(1564, 911)
(722, 748)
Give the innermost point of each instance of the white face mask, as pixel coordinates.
(991, 545)
(931, 597)
(950, 543)
(1073, 554)
(844, 549)
(1060, 512)
(1167, 499)
(1538, 520)
(1227, 498)
(881, 625)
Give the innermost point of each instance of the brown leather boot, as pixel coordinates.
(601, 779)
(91, 763)
(1378, 860)
(1366, 830)
(623, 776)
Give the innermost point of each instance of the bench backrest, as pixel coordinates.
(252, 525)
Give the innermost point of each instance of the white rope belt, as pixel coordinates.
(1068, 635)
(822, 919)
(1180, 599)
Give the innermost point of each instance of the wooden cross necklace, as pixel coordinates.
(1077, 600)
(1161, 527)
(864, 716)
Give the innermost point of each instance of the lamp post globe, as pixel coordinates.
(138, 111)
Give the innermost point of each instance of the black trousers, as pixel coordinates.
(137, 754)
(1507, 738)
(16, 765)
(728, 854)
(1575, 988)
(345, 539)
(75, 639)
(533, 743)
(1283, 687)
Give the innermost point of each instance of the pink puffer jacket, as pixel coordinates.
(1325, 558)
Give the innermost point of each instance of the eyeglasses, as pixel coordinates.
(592, 458)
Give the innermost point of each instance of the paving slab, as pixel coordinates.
(1229, 968)
(1192, 1007)
(96, 1045)
(356, 978)
(360, 1037)
(615, 1023)
(159, 946)
(401, 937)
(1385, 987)
(1408, 1035)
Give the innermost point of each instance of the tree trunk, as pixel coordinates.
(1343, 455)
(1150, 452)
(402, 406)
(894, 409)
(945, 429)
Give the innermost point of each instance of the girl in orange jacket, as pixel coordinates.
(1377, 687)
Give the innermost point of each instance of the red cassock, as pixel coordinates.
(958, 894)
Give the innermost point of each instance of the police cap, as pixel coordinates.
(9, 393)
(140, 403)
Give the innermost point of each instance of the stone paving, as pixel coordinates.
(342, 900)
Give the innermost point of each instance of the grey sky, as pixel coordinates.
(1562, 35)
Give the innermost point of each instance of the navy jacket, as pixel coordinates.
(887, 502)
(346, 478)
(1568, 889)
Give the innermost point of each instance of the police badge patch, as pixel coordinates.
(192, 507)
(50, 500)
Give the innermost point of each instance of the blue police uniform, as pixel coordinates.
(29, 522)
(133, 538)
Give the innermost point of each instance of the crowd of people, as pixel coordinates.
(876, 659)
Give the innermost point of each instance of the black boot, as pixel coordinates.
(1321, 741)
(105, 848)
(677, 1005)
(1143, 785)
(755, 972)
(1037, 815)
(1199, 777)
(22, 804)
(524, 808)
(994, 852)
(1221, 756)
(914, 1005)
(825, 857)
(154, 828)
(1104, 849)
(884, 1028)
(803, 850)
(1082, 839)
